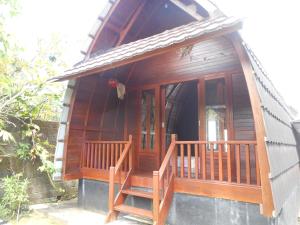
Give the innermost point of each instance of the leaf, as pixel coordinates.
(6, 136)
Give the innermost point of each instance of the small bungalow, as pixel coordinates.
(171, 117)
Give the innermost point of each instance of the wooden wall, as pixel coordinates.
(243, 122)
(99, 115)
(208, 57)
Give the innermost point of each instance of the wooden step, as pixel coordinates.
(142, 194)
(135, 211)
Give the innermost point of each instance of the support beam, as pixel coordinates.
(267, 198)
(133, 18)
(104, 23)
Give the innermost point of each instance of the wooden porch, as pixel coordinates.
(218, 169)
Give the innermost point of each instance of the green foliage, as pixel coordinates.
(23, 151)
(25, 96)
(15, 197)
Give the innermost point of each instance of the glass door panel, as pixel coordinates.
(148, 120)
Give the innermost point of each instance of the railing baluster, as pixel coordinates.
(257, 166)
(96, 156)
(189, 160)
(181, 161)
(103, 156)
(107, 156)
(88, 156)
(220, 155)
(84, 155)
(196, 161)
(99, 156)
(112, 158)
(203, 152)
(238, 163)
(212, 162)
(248, 169)
(116, 152)
(229, 176)
(175, 161)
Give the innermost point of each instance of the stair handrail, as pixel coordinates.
(161, 199)
(113, 172)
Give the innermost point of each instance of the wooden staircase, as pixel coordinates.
(161, 193)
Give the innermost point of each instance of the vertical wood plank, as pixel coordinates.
(229, 175)
(248, 170)
(88, 155)
(196, 161)
(103, 156)
(95, 156)
(99, 156)
(91, 156)
(176, 161)
(112, 154)
(203, 152)
(116, 153)
(212, 162)
(238, 163)
(107, 156)
(111, 192)
(181, 161)
(220, 155)
(156, 197)
(189, 160)
(83, 164)
(163, 121)
(257, 166)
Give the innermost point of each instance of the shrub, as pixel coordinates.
(15, 197)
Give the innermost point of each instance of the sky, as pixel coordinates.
(271, 28)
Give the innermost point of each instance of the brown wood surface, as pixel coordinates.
(267, 199)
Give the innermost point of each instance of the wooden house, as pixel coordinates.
(170, 116)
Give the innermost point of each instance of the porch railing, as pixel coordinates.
(225, 161)
(163, 185)
(102, 155)
(119, 174)
(217, 161)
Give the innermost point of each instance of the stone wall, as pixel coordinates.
(40, 188)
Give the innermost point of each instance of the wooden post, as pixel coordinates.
(174, 159)
(155, 197)
(130, 152)
(111, 189)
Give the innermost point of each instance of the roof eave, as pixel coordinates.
(149, 54)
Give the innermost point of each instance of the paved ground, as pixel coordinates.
(67, 213)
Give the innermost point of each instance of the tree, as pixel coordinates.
(25, 96)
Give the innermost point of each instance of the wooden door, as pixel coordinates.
(148, 129)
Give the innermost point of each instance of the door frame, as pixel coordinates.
(155, 154)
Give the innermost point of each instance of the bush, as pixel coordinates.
(15, 197)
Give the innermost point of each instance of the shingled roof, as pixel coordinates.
(147, 45)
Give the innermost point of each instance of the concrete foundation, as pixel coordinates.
(193, 210)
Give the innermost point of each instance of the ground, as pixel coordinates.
(67, 213)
